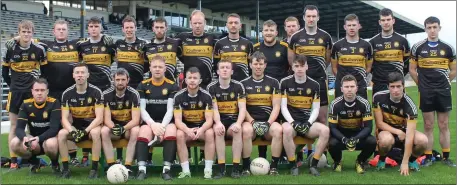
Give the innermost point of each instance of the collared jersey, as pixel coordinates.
(197, 51)
(300, 97)
(193, 108)
(277, 63)
(98, 56)
(24, 64)
(156, 96)
(352, 58)
(121, 108)
(227, 99)
(237, 51)
(62, 57)
(396, 114)
(389, 54)
(315, 48)
(130, 57)
(260, 95)
(170, 49)
(433, 63)
(82, 106)
(350, 115)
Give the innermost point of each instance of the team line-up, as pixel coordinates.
(65, 92)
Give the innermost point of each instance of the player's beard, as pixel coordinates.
(120, 88)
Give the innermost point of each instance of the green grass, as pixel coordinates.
(437, 174)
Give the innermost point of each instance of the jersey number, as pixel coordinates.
(94, 50)
(192, 106)
(64, 49)
(258, 89)
(311, 42)
(353, 50)
(299, 92)
(388, 46)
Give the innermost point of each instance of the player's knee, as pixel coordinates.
(324, 131)
(135, 130)
(370, 141)
(247, 130)
(180, 135)
(95, 133)
(105, 132)
(15, 143)
(145, 131)
(333, 142)
(428, 125)
(421, 141)
(209, 135)
(276, 130)
(287, 131)
(385, 140)
(51, 145)
(443, 125)
(62, 135)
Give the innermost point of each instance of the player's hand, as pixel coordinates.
(118, 130)
(235, 127)
(344, 140)
(198, 132)
(158, 129)
(80, 135)
(404, 169)
(352, 143)
(25, 143)
(191, 132)
(301, 127)
(34, 143)
(401, 135)
(219, 128)
(74, 134)
(260, 127)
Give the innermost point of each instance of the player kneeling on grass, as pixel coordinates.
(193, 113)
(229, 103)
(156, 103)
(42, 116)
(351, 123)
(396, 117)
(263, 104)
(84, 103)
(121, 117)
(299, 94)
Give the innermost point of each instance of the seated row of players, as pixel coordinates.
(195, 110)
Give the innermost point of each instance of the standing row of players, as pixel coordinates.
(432, 57)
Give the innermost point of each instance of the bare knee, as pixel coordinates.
(62, 135)
(170, 130)
(145, 132)
(105, 132)
(15, 143)
(95, 134)
(324, 131)
(209, 135)
(443, 125)
(51, 145)
(133, 132)
(180, 135)
(276, 130)
(247, 130)
(287, 130)
(420, 140)
(385, 140)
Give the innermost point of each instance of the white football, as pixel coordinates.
(117, 173)
(260, 166)
(322, 161)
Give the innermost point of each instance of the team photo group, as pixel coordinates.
(66, 93)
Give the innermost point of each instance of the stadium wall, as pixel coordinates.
(24, 6)
(76, 13)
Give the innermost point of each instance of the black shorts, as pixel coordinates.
(439, 100)
(323, 83)
(379, 87)
(15, 100)
(56, 94)
(193, 125)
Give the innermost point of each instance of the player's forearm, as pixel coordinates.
(6, 75)
(314, 112)
(276, 110)
(107, 119)
(248, 117)
(144, 114)
(169, 114)
(208, 121)
(98, 119)
(285, 112)
(178, 122)
(411, 128)
(20, 128)
(51, 132)
(334, 66)
(134, 122)
(386, 127)
(242, 113)
(335, 132)
(366, 130)
(452, 75)
(369, 66)
(413, 72)
(290, 56)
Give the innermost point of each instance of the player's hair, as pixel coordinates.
(291, 19)
(197, 12)
(160, 20)
(41, 81)
(94, 20)
(121, 71)
(128, 18)
(258, 55)
(193, 70)
(270, 22)
(157, 57)
(351, 17)
(395, 77)
(311, 7)
(348, 78)
(60, 21)
(300, 59)
(386, 12)
(81, 64)
(26, 24)
(226, 61)
(234, 15)
(431, 20)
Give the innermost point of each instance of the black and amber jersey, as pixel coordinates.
(237, 51)
(277, 63)
(169, 49)
(198, 52)
(433, 60)
(350, 116)
(315, 48)
(193, 108)
(82, 106)
(389, 55)
(260, 95)
(352, 58)
(227, 99)
(62, 56)
(121, 108)
(130, 57)
(300, 96)
(24, 64)
(39, 118)
(156, 96)
(98, 56)
(396, 114)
